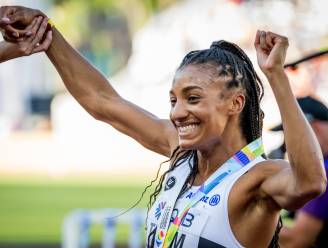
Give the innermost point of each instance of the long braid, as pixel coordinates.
(178, 157)
(193, 172)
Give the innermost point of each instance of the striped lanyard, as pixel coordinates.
(232, 165)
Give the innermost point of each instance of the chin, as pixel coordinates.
(187, 145)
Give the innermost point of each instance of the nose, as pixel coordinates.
(178, 112)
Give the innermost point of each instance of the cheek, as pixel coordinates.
(218, 123)
(212, 124)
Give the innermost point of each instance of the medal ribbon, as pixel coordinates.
(232, 165)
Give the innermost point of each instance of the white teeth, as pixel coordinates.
(186, 129)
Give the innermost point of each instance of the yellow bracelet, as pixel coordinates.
(50, 22)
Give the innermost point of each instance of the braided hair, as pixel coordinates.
(232, 63)
(235, 64)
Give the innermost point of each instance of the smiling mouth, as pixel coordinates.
(187, 129)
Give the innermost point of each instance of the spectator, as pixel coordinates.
(310, 228)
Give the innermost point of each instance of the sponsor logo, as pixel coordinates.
(203, 199)
(178, 242)
(214, 200)
(170, 183)
(190, 195)
(186, 220)
(159, 209)
(165, 217)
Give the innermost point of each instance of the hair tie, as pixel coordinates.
(217, 44)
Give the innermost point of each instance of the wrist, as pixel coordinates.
(279, 83)
(274, 72)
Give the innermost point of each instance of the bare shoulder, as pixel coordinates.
(263, 170)
(268, 168)
(248, 187)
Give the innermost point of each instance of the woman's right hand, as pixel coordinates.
(39, 40)
(15, 20)
(271, 51)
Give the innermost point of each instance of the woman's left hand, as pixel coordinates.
(271, 51)
(38, 41)
(15, 20)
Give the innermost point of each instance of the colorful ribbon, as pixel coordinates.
(232, 165)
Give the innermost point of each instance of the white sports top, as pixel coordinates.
(206, 225)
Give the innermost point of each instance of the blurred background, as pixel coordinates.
(55, 158)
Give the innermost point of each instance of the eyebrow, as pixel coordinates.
(189, 88)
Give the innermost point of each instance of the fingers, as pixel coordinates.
(266, 40)
(45, 45)
(40, 32)
(263, 44)
(33, 30)
(17, 33)
(13, 31)
(261, 41)
(257, 39)
(29, 29)
(34, 42)
(269, 39)
(4, 21)
(5, 12)
(7, 36)
(10, 16)
(276, 38)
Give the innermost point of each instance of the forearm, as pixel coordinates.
(303, 150)
(87, 85)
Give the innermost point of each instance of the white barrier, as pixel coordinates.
(76, 226)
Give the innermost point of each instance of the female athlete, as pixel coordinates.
(220, 191)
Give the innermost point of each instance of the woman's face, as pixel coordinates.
(200, 105)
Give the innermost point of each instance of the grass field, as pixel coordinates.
(32, 211)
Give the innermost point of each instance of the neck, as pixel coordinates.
(209, 160)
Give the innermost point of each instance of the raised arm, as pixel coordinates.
(92, 90)
(290, 186)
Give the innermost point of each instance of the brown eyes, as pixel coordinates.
(173, 101)
(193, 99)
(190, 100)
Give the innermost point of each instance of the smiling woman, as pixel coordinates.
(218, 172)
(211, 102)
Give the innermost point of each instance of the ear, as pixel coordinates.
(237, 103)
